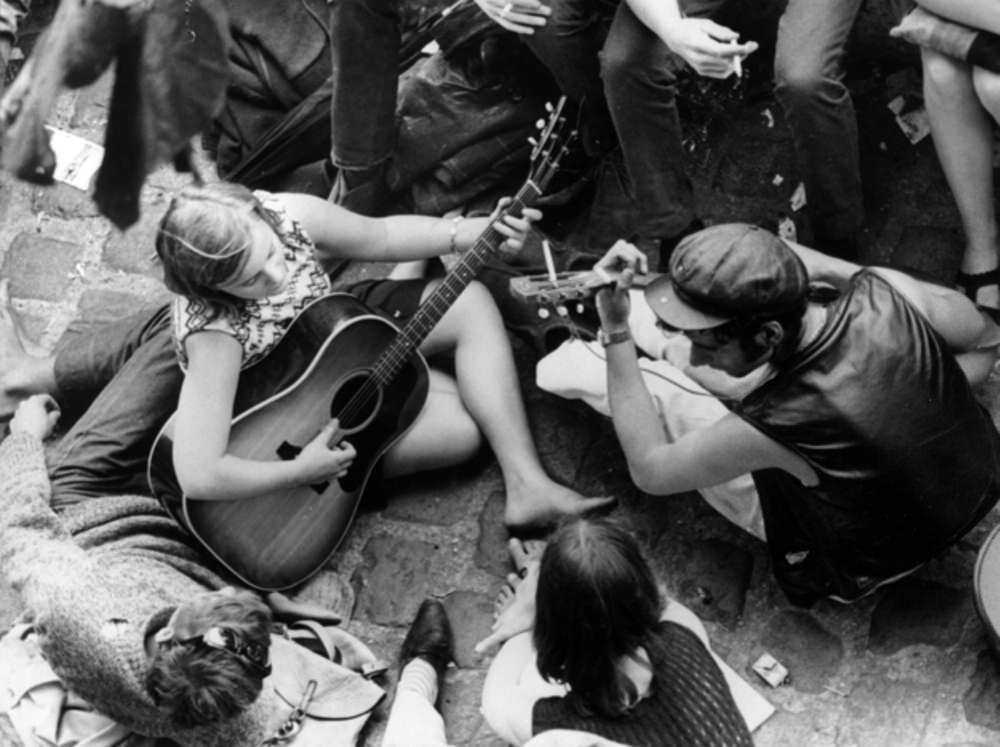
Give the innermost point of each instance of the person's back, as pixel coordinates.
(907, 459)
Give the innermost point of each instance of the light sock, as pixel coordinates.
(420, 677)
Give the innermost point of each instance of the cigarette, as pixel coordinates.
(550, 265)
(737, 62)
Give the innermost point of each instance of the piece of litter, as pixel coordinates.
(896, 105)
(787, 230)
(768, 118)
(835, 691)
(777, 180)
(430, 48)
(798, 199)
(916, 125)
(77, 159)
(770, 670)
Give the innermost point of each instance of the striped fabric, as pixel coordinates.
(689, 705)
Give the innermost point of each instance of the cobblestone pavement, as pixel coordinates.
(909, 666)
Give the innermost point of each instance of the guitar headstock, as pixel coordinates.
(567, 286)
(551, 145)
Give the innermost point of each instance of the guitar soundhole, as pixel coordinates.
(356, 401)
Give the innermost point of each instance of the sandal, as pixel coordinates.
(971, 283)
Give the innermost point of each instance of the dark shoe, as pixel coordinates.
(971, 283)
(429, 638)
(669, 243)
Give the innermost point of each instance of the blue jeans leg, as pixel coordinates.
(127, 371)
(809, 84)
(364, 44)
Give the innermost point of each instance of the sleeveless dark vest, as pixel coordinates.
(907, 459)
(689, 704)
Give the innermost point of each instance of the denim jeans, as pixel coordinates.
(609, 62)
(365, 45)
(125, 377)
(808, 77)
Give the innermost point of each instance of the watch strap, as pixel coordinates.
(613, 338)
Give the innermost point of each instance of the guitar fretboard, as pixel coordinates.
(395, 356)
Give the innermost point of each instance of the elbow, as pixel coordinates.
(646, 478)
(197, 484)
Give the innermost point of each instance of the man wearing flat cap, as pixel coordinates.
(856, 417)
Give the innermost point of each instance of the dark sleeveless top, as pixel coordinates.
(689, 704)
(907, 458)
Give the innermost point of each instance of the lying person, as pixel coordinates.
(130, 619)
(857, 420)
(592, 645)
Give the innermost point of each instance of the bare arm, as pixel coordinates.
(339, 233)
(201, 432)
(979, 14)
(507, 705)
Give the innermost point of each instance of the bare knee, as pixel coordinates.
(987, 86)
(944, 76)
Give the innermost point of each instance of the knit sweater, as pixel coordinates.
(91, 579)
(689, 704)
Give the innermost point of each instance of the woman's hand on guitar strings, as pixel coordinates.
(320, 461)
(613, 304)
(515, 229)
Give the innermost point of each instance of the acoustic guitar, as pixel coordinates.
(340, 360)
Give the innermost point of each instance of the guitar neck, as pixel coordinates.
(392, 360)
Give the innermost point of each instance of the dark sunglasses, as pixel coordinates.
(256, 656)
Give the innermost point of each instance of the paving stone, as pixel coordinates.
(914, 612)
(134, 250)
(471, 615)
(40, 267)
(392, 580)
(440, 497)
(459, 703)
(63, 201)
(330, 589)
(810, 652)
(491, 547)
(714, 581)
(981, 700)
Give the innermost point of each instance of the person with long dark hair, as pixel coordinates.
(604, 651)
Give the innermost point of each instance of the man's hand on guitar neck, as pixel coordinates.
(320, 461)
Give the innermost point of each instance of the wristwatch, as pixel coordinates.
(613, 338)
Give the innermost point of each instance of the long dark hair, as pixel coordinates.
(597, 602)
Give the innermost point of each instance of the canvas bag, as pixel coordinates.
(327, 705)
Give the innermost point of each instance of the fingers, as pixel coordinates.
(519, 16)
(489, 642)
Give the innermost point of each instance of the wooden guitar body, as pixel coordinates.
(319, 370)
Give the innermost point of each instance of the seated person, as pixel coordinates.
(613, 59)
(243, 270)
(126, 613)
(963, 105)
(592, 645)
(847, 412)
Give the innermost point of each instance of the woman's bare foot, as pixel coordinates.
(22, 363)
(523, 552)
(514, 608)
(535, 506)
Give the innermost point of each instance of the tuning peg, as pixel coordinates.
(579, 308)
(533, 142)
(540, 124)
(544, 313)
(548, 107)
(562, 310)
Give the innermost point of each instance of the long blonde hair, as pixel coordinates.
(203, 240)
